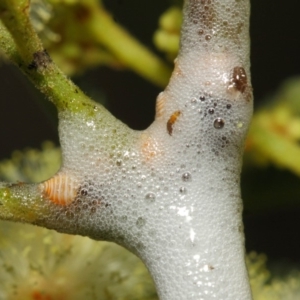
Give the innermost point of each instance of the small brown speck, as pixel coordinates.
(41, 60)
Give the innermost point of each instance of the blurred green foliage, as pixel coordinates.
(82, 34)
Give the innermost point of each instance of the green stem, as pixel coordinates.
(22, 203)
(14, 15)
(8, 46)
(126, 48)
(23, 47)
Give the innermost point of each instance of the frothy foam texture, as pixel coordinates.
(170, 193)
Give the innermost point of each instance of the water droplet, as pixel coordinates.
(95, 202)
(91, 124)
(183, 190)
(239, 124)
(186, 176)
(150, 197)
(126, 154)
(211, 110)
(219, 123)
(140, 222)
(83, 192)
(208, 37)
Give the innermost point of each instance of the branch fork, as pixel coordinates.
(170, 193)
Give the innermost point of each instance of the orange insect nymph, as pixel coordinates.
(61, 189)
(173, 118)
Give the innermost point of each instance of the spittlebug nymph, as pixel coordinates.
(172, 120)
(160, 104)
(61, 189)
(238, 81)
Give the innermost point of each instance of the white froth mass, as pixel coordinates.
(170, 193)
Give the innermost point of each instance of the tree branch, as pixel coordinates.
(170, 193)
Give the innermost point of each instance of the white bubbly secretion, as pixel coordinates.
(171, 193)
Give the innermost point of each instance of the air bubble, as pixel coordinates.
(97, 202)
(150, 197)
(83, 192)
(186, 176)
(126, 155)
(211, 110)
(206, 268)
(228, 106)
(202, 98)
(208, 37)
(140, 222)
(182, 190)
(123, 218)
(119, 162)
(219, 123)
(69, 215)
